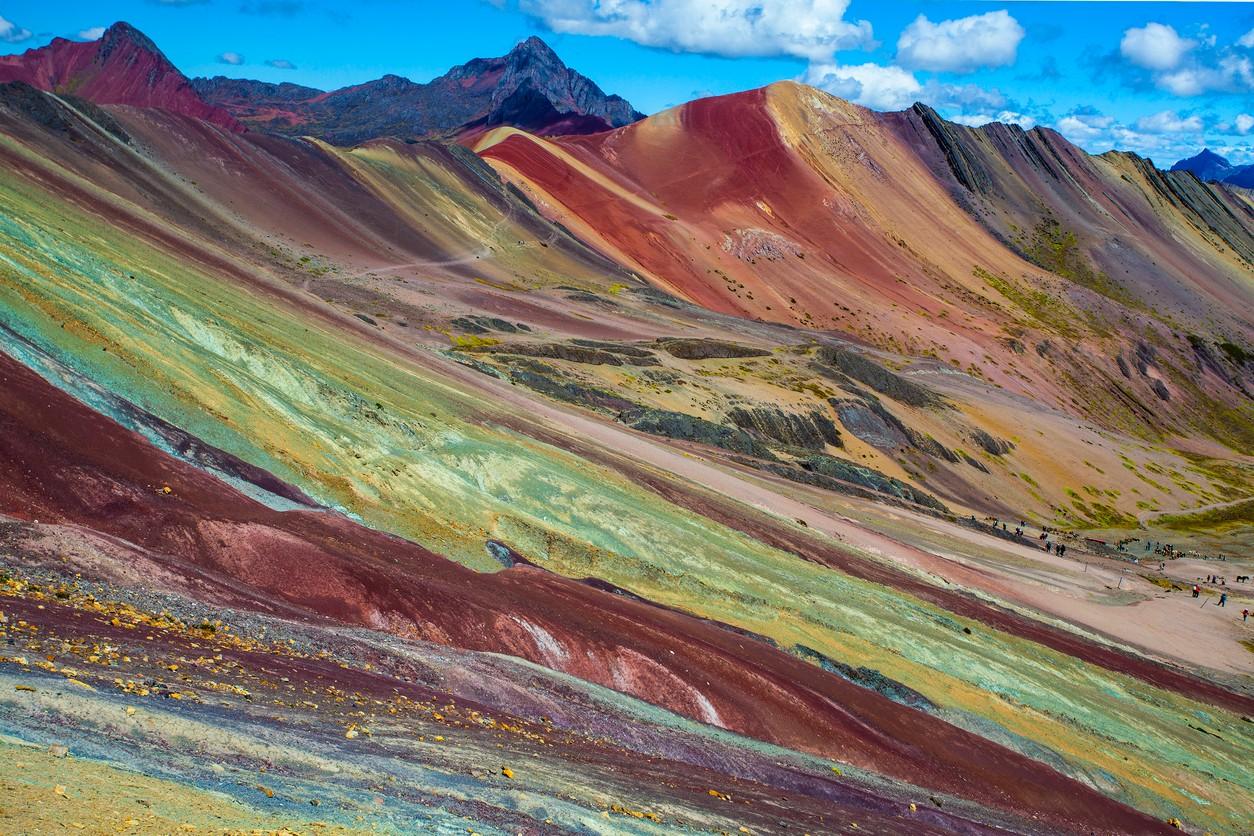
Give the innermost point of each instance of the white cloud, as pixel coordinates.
(1244, 123)
(1082, 127)
(91, 34)
(280, 64)
(870, 85)
(233, 58)
(1247, 40)
(810, 29)
(1155, 46)
(12, 33)
(1168, 122)
(962, 45)
(1232, 73)
(1009, 117)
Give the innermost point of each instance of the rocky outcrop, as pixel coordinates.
(812, 431)
(699, 349)
(828, 467)
(684, 427)
(484, 324)
(869, 425)
(991, 445)
(867, 678)
(858, 367)
(571, 354)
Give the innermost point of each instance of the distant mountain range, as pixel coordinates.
(530, 88)
(1208, 165)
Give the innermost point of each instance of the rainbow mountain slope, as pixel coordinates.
(1013, 256)
(410, 471)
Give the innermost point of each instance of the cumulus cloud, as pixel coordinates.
(1156, 54)
(1247, 40)
(232, 58)
(962, 45)
(11, 33)
(1244, 123)
(810, 29)
(1231, 73)
(1083, 126)
(1168, 122)
(280, 64)
(1155, 46)
(871, 85)
(91, 34)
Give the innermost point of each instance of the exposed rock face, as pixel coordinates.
(529, 88)
(808, 432)
(867, 678)
(686, 427)
(122, 67)
(484, 324)
(572, 354)
(822, 470)
(869, 425)
(877, 377)
(615, 348)
(698, 349)
(991, 445)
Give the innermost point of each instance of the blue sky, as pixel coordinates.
(1158, 78)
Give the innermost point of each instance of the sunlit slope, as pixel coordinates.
(200, 336)
(790, 205)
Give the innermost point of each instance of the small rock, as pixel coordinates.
(58, 751)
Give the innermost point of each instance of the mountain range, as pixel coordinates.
(576, 469)
(1208, 165)
(529, 88)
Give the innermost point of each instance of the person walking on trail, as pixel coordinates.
(1223, 599)
(1245, 615)
(1061, 550)
(1197, 590)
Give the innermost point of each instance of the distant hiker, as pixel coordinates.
(1049, 546)
(1043, 536)
(1223, 599)
(1197, 590)
(1061, 549)
(1245, 615)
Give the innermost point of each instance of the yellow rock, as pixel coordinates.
(507, 772)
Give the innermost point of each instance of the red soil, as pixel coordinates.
(61, 462)
(123, 67)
